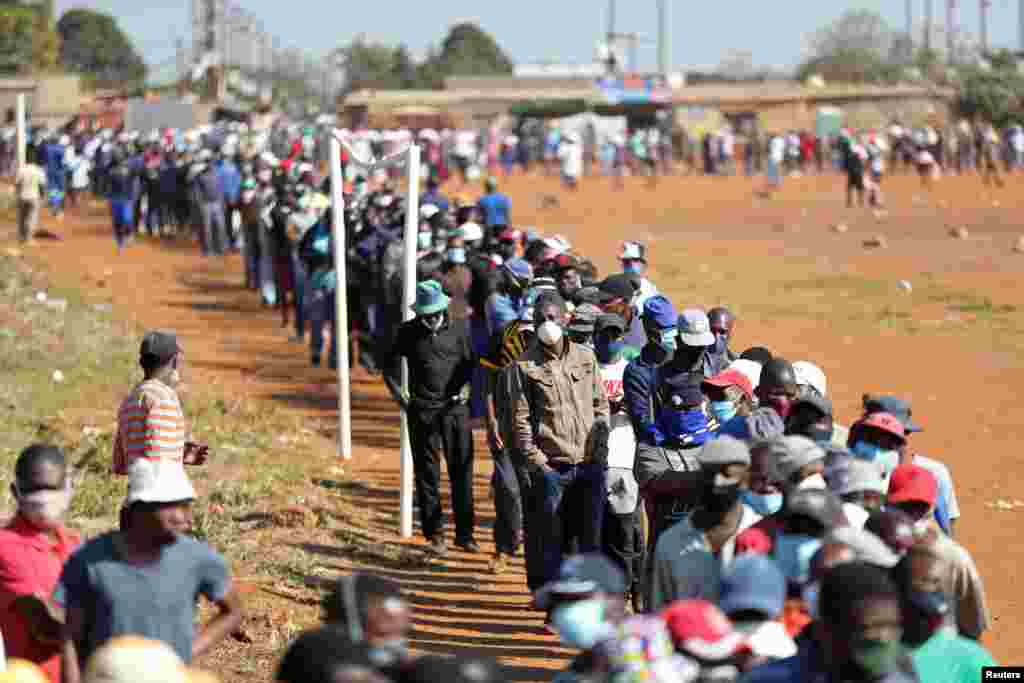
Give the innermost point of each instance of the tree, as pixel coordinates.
(370, 65)
(17, 29)
(858, 47)
(993, 92)
(468, 50)
(93, 45)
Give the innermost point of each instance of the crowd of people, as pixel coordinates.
(686, 512)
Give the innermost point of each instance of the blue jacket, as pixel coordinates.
(230, 180)
(639, 384)
(495, 208)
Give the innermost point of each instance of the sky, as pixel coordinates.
(540, 30)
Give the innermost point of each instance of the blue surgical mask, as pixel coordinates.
(424, 239)
(720, 345)
(633, 267)
(793, 552)
(668, 339)
(581, 624)
(888, 459)
(456, 255)
(723, 410)
(763, 504)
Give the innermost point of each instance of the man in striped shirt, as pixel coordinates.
(150, 422)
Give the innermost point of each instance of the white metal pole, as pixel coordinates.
(22, 135)
(341, 301)
(412, 226)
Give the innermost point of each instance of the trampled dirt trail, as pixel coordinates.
(798, 288)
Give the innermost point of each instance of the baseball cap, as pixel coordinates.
(809, 374)
(753, 583)
(428, 211)
(160, 345)
(818, 402)
(584, 318)
(582, 575)
(134, 659)
(896, 407)
(701, 630)
(22, 671)
(866, 546)
(820, 505)
(724, 450)
(750, 368)
(912, 484)
(471, 232)
(884, 422)
(681, 391)
(856, 475)
(695, 328)
(158, 481)
(753, 540)
(732, 378)
(612, 321)
(620, 286)
(660, 311)
(793, 452)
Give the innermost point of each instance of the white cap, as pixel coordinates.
(809, 374)
(137, 660)
(428, 211)
(750, 369)
(471, 232)
(158, 481)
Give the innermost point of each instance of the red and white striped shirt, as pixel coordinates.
(150, 424)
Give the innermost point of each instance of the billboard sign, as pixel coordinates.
(634, 90)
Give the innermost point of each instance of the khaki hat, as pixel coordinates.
(134, 659)
(22, 671)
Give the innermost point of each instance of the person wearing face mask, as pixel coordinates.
(731, 397)
(778, 388)
(723, 324)
(856, 638)
(581, 324)
(510, 244)
(622, 537)
(561, 398)
(144, 578)
(859, 485)
(811, 416)
(947, 508)
(939, 654)
(371, 610)
(153, 408)
(620, 294)
(585, 602)
(753, 596)
(457, 279)
(878, 438)
(34, 546)
(913, 490)
(690, 556)
(764, 495)
(441, 362)
(696, 341)
(641, 378)
(509, 298)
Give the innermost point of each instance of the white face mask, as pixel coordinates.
(549, 333)
(815, 481)
(45, 509)
(921, 527)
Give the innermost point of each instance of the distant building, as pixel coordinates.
(53, 100)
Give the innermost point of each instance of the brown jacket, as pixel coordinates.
(560, 398)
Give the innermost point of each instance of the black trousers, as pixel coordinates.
(430, 433)
(623, 542)
(508, 503)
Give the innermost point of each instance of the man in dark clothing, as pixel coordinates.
(441, 363)
(723, 322)
(640, 379)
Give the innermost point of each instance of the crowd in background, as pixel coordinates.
(686, 512)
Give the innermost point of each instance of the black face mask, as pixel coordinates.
(924, 614)
(718, 497)
(507, 251)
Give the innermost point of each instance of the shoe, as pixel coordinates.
(315, 360)
(638, 601)
(468, 545)
(437, 547)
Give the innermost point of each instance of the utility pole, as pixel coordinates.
(983, 22)
(910, 25)
(663, 38)
(951, 31)
(928, 24)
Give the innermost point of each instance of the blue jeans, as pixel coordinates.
(214, 235)
(565, 513)
(321, 313)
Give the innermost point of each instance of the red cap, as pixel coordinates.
(732, 378)
(700, 629)
(753, 540)
(885, 422)
(912, 484)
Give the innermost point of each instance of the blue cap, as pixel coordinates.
(582, 575)
(754, 583)
(660, 311)
(898, 408)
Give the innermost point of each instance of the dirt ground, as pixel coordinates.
(953, 343)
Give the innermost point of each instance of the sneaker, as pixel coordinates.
(499, 564)
(437, 547)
